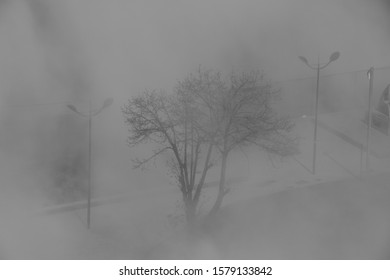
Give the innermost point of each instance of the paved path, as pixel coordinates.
(340, 154)
(122, 230)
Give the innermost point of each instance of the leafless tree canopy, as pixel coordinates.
(207, 116)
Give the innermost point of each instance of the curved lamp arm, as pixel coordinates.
(304, 60)
(334, 56)
(106, 103)
(73, 108)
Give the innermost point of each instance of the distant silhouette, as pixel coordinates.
(383, 105)
(381, 117)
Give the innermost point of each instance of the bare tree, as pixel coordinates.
(204, 117)
(168, 121)
(240, 113)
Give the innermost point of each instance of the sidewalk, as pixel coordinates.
(353, 131)
(133, 224)
(341, 153)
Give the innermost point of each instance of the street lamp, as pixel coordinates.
(370, 76)
(334, 56)
(90, 114)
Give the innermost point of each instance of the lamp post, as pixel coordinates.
(90, 114)
(334, 56)
(370, 75)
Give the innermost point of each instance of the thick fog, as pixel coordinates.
(56, 53)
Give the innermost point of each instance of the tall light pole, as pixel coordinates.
(334, 56)
(370, 75)
(90, 114)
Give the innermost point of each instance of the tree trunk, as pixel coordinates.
(190, 212)
(221, 189)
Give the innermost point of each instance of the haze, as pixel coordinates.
(54, 53)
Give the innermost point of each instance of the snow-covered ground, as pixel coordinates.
(275, 210)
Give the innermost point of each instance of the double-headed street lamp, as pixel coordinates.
(89, 115)
(318, 67)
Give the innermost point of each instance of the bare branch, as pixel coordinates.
(139, 163)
